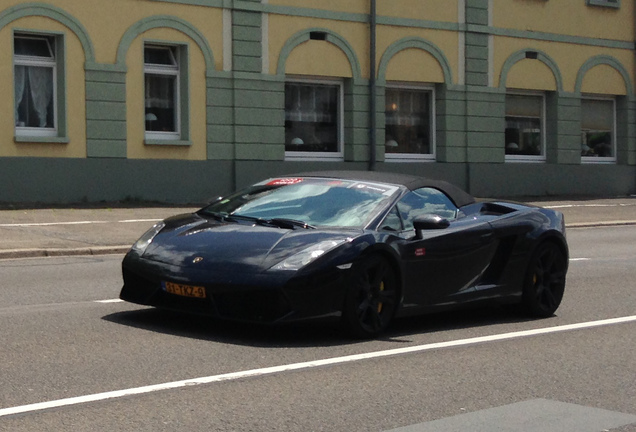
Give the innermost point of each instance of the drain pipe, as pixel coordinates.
(372, 86)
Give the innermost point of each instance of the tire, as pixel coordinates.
(544, 282)
(372, 298)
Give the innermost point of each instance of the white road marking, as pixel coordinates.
(109, 301)
(580, 259)
(304, 365)
(21, 225)
(588, 205)
(138, 220)
(52, 224)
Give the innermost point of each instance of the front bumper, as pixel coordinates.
(267, 297)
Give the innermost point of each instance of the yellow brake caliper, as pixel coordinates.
(380, 303)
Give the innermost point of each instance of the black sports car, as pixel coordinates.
(363, 247)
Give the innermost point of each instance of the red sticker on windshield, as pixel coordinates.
(284, 181)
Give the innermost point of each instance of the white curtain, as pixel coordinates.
(160, 91)
(20, 81)
(310, 103)
(41, 82)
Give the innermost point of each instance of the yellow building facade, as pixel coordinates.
(183, 100)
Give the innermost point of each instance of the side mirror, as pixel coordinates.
(429, 222)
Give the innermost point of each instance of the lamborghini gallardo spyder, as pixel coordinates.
(360, 247)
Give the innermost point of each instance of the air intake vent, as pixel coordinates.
(316, 35)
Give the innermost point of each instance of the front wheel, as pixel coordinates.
(372, 298)
(544, 283)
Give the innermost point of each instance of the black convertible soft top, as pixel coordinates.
(458, 196)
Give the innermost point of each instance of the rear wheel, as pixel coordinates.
(545, 280)
(372, 298)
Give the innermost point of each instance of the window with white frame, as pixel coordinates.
(409, 124)
(524, 136)
(313, 119)
(598, 119)
(161, 91)
(35, 92)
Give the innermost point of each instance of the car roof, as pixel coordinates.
(457, 195)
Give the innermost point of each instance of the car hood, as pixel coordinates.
(193, 241)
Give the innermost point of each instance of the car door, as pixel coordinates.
(442, 265)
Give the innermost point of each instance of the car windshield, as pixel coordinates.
(313, 201)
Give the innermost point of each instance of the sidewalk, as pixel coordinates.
(97, 231)
(58, 232)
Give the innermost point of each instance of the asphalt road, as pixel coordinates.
(60, 341)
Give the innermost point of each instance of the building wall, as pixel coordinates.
(235, 57)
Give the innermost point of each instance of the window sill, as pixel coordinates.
(525, 159)
(317, 156)
(41, 139)
(586, 160)
(167, 142)
(400, 158)
(604, 3)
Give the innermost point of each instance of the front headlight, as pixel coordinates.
(305, 256)
(145, 240)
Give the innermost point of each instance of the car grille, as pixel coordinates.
(252, 305)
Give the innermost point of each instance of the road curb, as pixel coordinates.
(59, 252)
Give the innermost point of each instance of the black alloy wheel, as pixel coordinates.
(372, 298)
(545, 280)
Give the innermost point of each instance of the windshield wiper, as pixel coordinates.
(221, 217)
(289, 223)
(277, 222)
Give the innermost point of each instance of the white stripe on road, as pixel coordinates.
(20, 225)
(304, 365)
(579, 259)
(109, 301)
(138, 220)
(52, 224)
(587, 205)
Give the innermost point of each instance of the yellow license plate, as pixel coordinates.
(185, 290)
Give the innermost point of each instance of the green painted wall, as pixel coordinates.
(246, 41)
(485, 125)
(259, 118)
(356, 133)
(197, 182)
(515, 180)
(112, 179)
(105, 113)
(563, 118)
(626, 133)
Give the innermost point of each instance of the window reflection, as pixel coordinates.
(318, 202)
(311, 117)
(524, 125)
